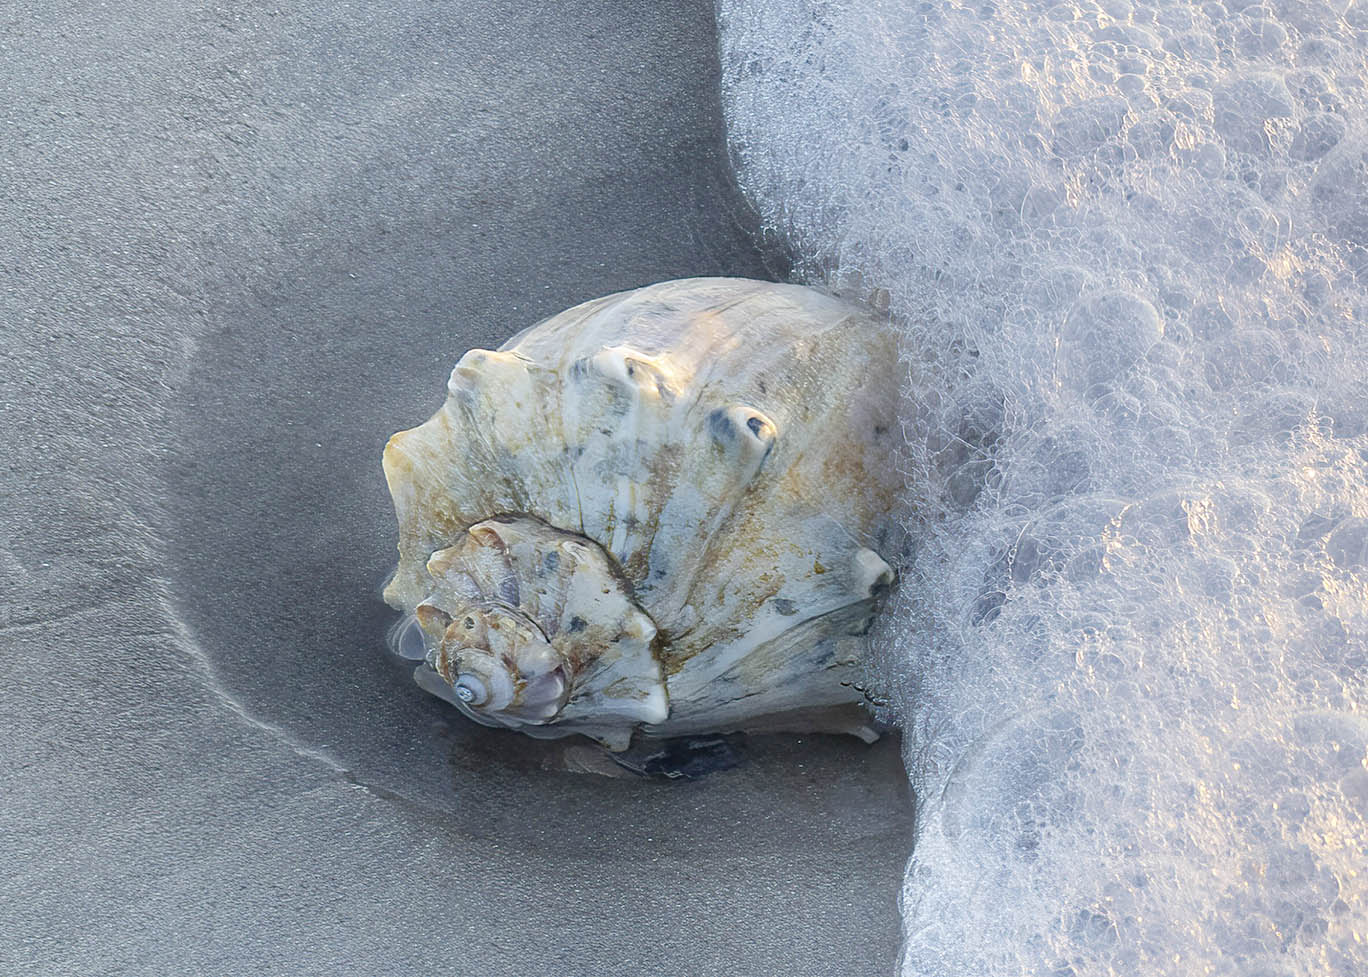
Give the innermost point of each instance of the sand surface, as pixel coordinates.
(242, 245)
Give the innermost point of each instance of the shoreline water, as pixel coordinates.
(1128, 244)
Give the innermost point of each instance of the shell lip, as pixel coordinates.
(406, 639)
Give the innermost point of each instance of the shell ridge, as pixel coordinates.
(705, 391)
(719, 658)
(610, 456)
(480, 451)
(718, 429)
(790, 468)
(816, 640)
(568, 449)
(806, 588)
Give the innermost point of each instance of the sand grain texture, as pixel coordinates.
(242, 245)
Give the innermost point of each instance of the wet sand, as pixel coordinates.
(247, 244)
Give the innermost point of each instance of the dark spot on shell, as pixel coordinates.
(784, 606)
(755, 424)
(880, 430)
(720, 426)
(577, 624)
(552, 560)
(469, 624)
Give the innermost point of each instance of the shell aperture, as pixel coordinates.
(661, 510)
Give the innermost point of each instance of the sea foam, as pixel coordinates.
(1129, 245)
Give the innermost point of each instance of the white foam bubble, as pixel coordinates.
(1128, 241)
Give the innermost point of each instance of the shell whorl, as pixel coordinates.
(720, 447)
(530, 625)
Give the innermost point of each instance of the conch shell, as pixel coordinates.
(660, 510)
